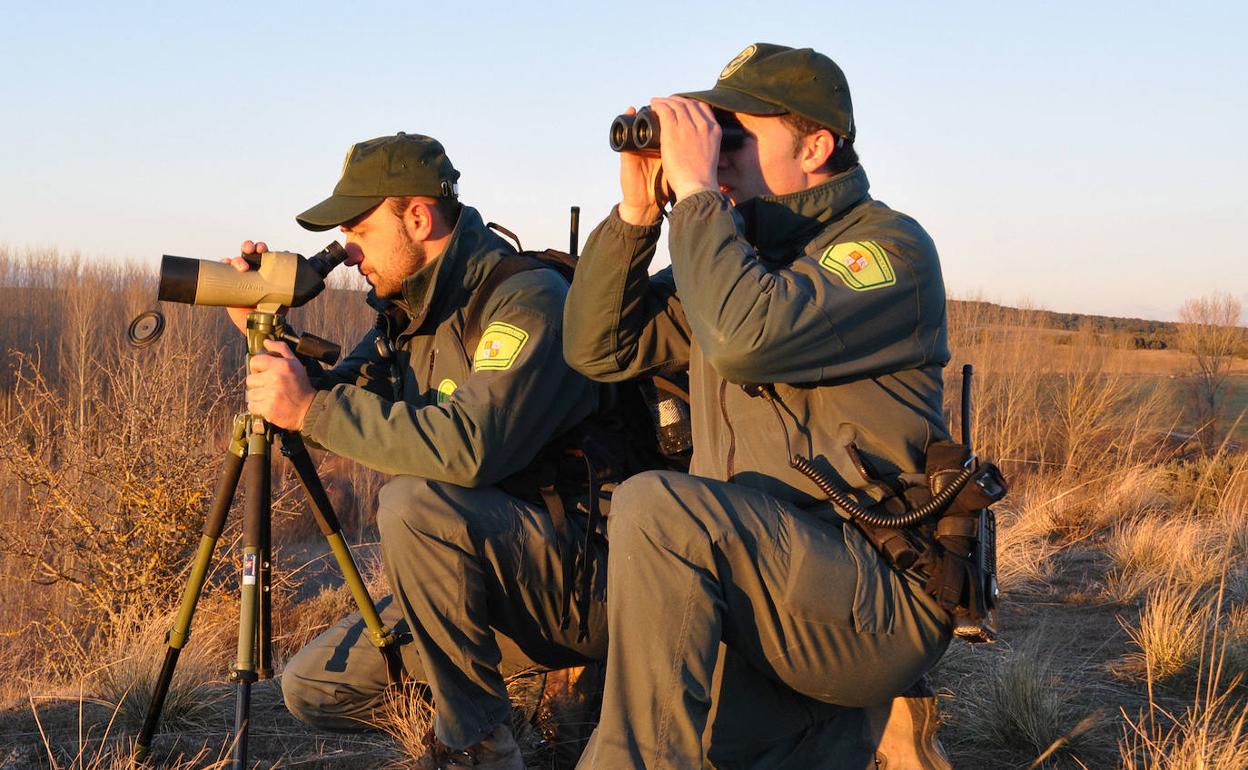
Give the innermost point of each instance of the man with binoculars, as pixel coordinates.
(460, 391)
(812, 320)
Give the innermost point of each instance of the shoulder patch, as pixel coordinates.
(499, 347)
(446, 389)
(861, 265)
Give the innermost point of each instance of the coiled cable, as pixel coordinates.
(838, 498)
(889, 521)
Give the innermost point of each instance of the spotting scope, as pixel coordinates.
(277, 279)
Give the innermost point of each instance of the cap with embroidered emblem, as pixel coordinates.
(766, 79)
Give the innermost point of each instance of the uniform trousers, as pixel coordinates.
(477, 577)
(801, 600)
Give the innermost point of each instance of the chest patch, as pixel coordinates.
(499, 347)
(861, 265)
(446, 389)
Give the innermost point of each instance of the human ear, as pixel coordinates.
(418, 220)
(817, 148)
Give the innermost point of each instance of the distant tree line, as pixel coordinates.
(1142, 333)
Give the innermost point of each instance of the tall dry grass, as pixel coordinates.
(1113, 542)
(1041, 407)
(1210, 729)
(108, 455)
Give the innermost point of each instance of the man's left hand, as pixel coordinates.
(689, 143)
(278, 388)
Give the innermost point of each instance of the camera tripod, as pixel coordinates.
(251, 442)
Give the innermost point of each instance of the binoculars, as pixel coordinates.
(640, 133)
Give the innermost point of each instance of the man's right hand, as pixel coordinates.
(238, 315)
(637, 174)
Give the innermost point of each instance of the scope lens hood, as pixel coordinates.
(178, 278)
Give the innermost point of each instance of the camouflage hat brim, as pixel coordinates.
(335, 210)
(732, 100)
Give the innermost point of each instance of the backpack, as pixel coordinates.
(640, 424)
(643, 422)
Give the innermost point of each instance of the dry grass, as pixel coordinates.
(1026, 549)
(1209, 731)
(1150, 550)
(132, 652)
(110, 454)
(406, 715)
(103, 748)
(1208, 737)
(1235, 632)
(1020, 706)
(1170, 631)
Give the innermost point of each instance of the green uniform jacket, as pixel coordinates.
(832, 296)
(431, 411)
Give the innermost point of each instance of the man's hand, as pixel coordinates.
(278, 388)
(689, 142)
(238, 315)
(637, 174)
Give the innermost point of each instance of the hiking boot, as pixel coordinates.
(904, 732)
(497, 751)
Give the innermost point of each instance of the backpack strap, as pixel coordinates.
(509, 265)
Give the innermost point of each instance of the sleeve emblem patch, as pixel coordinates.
(861, 265)
(499, 347)
(446, 389)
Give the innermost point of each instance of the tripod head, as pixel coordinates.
(262, 326)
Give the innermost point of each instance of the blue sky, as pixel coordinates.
(1076, 156)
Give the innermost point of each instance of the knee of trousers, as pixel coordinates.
(655, 504)
(414, 508)
(318, 703)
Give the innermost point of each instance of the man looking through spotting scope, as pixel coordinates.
(460, 392)
(812, 320)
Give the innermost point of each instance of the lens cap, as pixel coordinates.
(146, 328)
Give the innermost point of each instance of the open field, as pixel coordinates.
(1123, 545)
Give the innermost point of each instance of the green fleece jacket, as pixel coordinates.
(831, 296)
(435, 410)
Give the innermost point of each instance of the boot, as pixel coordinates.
(497, 751)
(904, 732)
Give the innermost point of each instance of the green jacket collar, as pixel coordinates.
(780, 225)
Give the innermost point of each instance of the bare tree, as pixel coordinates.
(1209, 330)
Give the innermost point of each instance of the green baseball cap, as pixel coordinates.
(388, 166)
(767, 79)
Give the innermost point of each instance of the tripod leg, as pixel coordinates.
(323, 511)
(258, 472)
(264, 629)
(227, 484)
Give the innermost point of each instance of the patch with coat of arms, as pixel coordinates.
(861, 265)
(499, 347)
